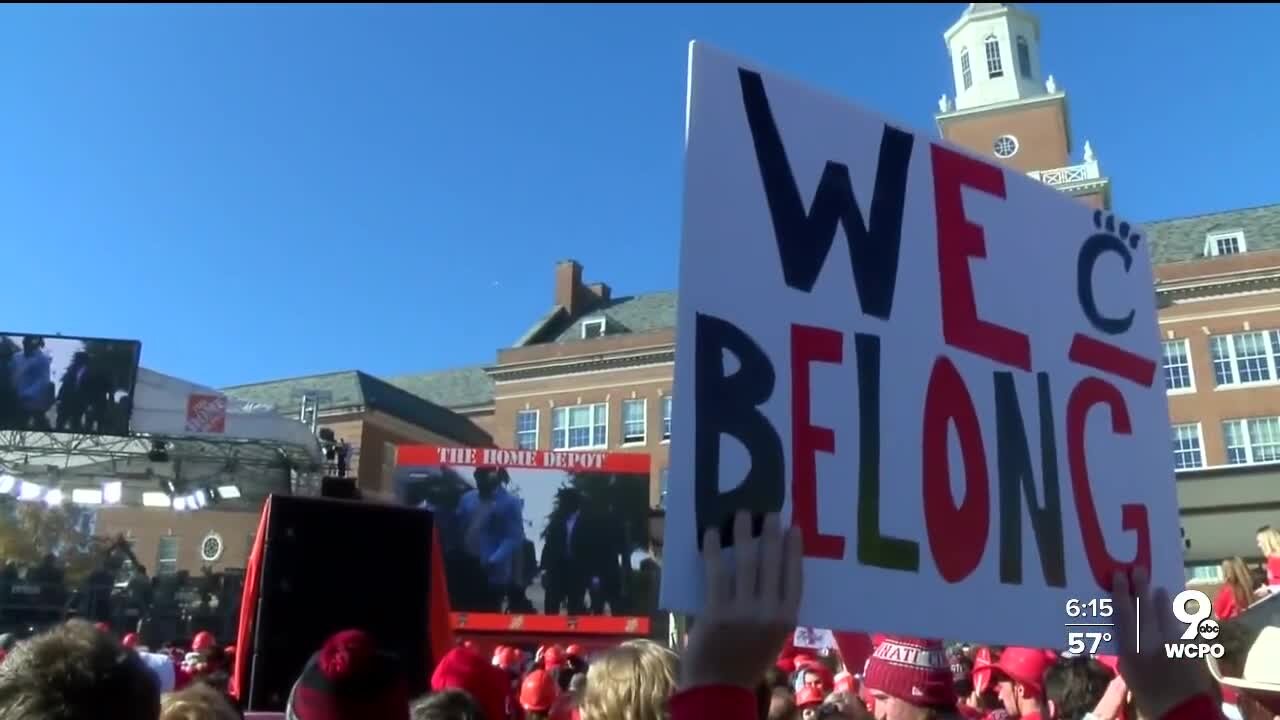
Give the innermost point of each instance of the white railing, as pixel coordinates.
(1067, 175)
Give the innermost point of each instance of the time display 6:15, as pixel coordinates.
(1097, 607)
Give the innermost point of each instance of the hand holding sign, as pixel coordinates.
(1145, 622)
(751, 605)
(941, 371)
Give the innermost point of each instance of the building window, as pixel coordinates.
(1244, 358)
(592, 328)
(666, 417)
(1231, 243)
(1177, 366)
(1024, 58)
(633, 420)
(995, 68)
(527, 430)
(1204, 573)
(167, 556)
(1187, 449)
(966, 74)
(580, 426)
(1252, 440)
(1005, 146)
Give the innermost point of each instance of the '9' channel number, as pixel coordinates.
(1095, 608)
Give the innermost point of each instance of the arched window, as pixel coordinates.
(966, 75)
(995, 68)
(1024, 57)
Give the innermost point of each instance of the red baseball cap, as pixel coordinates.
(809, 696)
(1025, 666)
(538, 692)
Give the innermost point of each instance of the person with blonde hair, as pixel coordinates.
(633, 681)
(1237, 589)
(197, 702)
(1269, 544)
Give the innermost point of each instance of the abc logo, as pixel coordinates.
(1199, 620)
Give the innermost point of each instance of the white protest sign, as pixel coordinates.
(943, 371)
(813, 638)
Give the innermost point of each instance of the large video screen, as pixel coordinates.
(63, 384)
(535, 532)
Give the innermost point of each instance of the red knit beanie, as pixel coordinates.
(464, 669)
(911, 670)
(349, 678)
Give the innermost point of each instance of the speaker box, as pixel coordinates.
(327, 565)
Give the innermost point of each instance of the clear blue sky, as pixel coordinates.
(259, 192)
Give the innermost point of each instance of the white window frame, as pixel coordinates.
(1245, 425)
(1271, 339)
(644, 422)
(1199, 448)
(596, 323)
(1195, 577)
(1191, 373)
(168, 566)
(995, 64)
(666, 418)
(1212, 243)
(537, 420)
(599, 411)
(966, 71)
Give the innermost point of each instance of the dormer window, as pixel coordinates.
(1224, 243)
(593, 328)
(995, 68)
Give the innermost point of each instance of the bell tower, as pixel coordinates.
(1006, 107)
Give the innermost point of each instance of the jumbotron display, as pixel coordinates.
(536, 532)
(54, 383)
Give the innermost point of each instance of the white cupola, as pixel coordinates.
(995, 55)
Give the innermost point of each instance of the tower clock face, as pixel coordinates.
(1005, 146)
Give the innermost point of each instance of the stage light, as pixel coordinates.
(86, 496)
(7, 483)
(228, 492)
(197, 499)
(112, 493)
(180, 503)
(29, 491)
(155, 500)
(53, 498)
(168, 486)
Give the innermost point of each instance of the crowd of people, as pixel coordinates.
(736, 665)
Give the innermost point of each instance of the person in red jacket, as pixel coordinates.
(1236, 593)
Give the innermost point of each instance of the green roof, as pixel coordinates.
(1183, 239)
(353, 388)
(624, 315)
(459, 388)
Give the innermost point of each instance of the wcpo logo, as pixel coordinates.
(1202, 630)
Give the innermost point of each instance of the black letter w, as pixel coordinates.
(804, 238)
